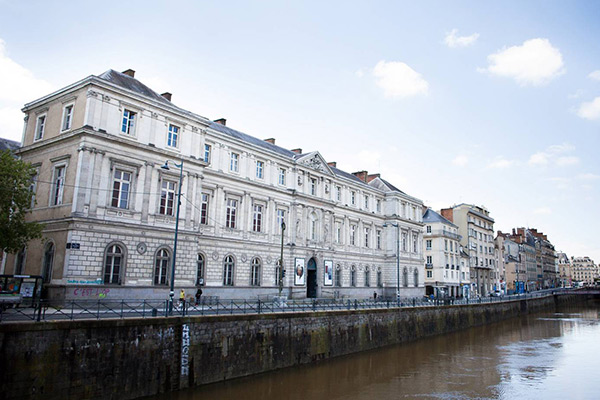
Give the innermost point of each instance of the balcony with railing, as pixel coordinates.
(444, 233)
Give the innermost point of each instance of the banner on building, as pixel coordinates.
(328, 279)
(299, 272)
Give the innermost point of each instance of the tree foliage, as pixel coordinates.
(16, 178)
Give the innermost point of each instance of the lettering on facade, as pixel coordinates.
(185, 349)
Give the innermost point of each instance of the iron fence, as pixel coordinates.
(107, 309)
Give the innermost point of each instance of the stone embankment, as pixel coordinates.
(130, 358)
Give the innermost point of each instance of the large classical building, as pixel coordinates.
(110, 209)
(584, 270)
(476, 229)
(564, 269)
(444, 274)
(515, 265)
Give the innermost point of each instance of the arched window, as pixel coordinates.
(48, 262)
(200, 265)
(228, 266)
(353, 276)
(114, 262)
(338, 275)
(255, 272)
(405, 277)
(379, 279)
(161, 266)
(416, 275)
(367, 277)
(20, 262)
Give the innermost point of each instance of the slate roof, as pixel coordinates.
(392, 187)
(432, 216)
(132, 84)
(11, 145)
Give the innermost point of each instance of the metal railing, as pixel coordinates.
(109, 309)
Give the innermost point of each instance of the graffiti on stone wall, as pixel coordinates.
(185, 349)
(99, 293)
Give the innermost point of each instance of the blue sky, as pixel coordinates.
(492, 103)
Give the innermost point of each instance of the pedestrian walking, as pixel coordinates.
(182, 297)
(198, 295)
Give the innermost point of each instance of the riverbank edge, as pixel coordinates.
(132, 358)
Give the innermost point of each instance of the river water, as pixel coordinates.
(541, 356)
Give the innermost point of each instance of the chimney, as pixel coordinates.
(167, 95)
(448, 213)
(332, 164)
(362, 175)
(221, 121)
(297, 151)
(372, 176)
(270, 140)
(129, 72)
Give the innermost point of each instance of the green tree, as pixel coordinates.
(16, 178)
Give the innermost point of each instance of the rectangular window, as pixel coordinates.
(207, 149)
(121, 189)
(352, 198)
(366, 202)
(234, 162)
(415, 241)
(128, 122)
(338, 193)
(204, 209)
(257, 218)
(167, 198)
(378, 240)
(428, 228)
(231, 211)
(280, 218)
(404, 239)
(338, 232)
(40, 127)
(378, 205)
(67, 117)
(282, 176)
(58, 184)
(429, 260)
(338, 276)
(366, 237)
(379, 279)
(446, 244)
(352, 234)
(428, 244)
(430, 274)
(367, 278)
(260, 169)
(173, 137)
(313, 186)
(33, 188)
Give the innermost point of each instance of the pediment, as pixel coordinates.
(315, 161)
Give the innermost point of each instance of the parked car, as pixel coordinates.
(496, 293)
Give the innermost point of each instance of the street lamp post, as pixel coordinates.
(281, 260)
(397, 260)
(172, 292)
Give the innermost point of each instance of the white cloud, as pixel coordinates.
(536, 62)
(538, 159)
(576, 95)
(588, 177)
(453, 40)
(460, 160)
(398, 80)
(501, 163)
(560, 183)
(17, 86)
(543, 210)
(360, 73)
(555, 155)
(590, 110)
(569, 160)
(595, 75)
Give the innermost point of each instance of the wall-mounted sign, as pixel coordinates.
(328, 278)
(299, 272)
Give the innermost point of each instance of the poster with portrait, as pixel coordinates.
(328, 278)
(299, 272)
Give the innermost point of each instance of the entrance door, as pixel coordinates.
(311, 279)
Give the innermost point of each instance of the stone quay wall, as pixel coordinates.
(130, 358)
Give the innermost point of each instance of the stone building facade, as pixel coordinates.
(110, 209)
(444, 272)
(564, 269)
(476, 229)
(584, 271)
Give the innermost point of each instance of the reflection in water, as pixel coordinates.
(539, 356)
